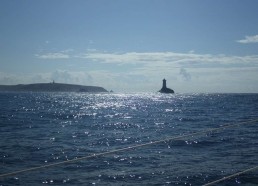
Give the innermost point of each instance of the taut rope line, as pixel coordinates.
(128, 148)
(231, 176)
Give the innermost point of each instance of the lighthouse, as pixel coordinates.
(164, 88)
(164, 84)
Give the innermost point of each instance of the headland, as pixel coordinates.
(51, 87)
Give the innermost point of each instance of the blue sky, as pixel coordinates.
(131, 45)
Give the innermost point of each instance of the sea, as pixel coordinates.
(128, 139)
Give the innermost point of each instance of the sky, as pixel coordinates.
(200, 46)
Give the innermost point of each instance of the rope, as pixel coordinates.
(231, 176)
(127, 148)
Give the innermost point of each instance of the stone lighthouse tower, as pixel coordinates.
(164, 88)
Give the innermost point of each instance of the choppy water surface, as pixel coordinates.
(42, 128)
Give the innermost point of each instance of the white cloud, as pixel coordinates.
(185, 75)
(222, 80)
(158, 59)
(185, 72)
(171, 59)
(57, 55)
(22, 78)
(73, 77)
(249, 39)
(59, 76)
(8, 79)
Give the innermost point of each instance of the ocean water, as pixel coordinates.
(38, 129)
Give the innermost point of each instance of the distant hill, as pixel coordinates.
(51, 87)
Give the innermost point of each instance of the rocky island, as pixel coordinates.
(164, 88)
(51, 87)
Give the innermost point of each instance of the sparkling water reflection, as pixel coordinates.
(43, 128)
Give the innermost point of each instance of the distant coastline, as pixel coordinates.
(51, 87)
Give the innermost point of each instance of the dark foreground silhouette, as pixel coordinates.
(51, 87)
(164, 88)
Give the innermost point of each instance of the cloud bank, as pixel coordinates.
(169, 60)
(158, 59)
(143, 71)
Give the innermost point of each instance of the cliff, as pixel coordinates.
(51, 87)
